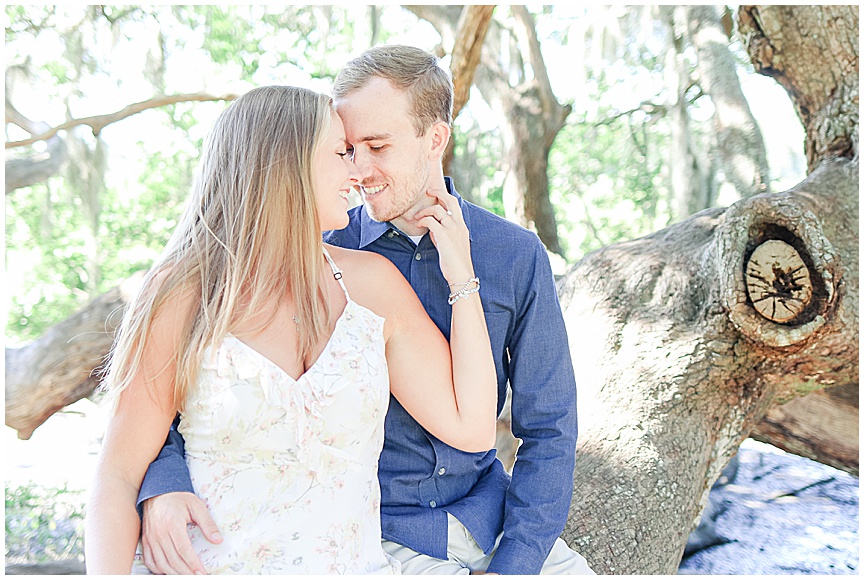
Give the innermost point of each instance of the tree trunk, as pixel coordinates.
(531, 114)
(61, 367)
(822, 426)
(465, 56)
(738, 140)
(677, 357)
(690, 178)
(676, 366)
(813, 54)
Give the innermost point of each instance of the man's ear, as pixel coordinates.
(439, 134)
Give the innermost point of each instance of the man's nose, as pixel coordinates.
(362, 164)
(353, 172)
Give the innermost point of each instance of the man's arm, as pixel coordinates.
(168, 473)
(544, 417)
(167, 504)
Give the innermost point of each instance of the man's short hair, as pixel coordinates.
(410, 69)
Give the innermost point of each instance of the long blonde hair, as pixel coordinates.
(249, 236)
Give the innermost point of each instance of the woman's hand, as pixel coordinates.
(449, 234)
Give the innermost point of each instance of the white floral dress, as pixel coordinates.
(288, 469)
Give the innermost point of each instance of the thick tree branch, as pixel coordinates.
(470, 33)
(99, 122)
(526, 30)
(37, 167)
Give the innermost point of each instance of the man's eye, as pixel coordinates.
(376, 147)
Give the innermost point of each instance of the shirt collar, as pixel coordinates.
(370, 230)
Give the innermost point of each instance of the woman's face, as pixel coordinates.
(334, 174)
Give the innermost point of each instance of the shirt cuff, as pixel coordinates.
(514, 557)
(173, 477)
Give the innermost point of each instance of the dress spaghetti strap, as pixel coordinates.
(337, 273)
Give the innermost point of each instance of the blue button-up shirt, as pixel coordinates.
(423, 479)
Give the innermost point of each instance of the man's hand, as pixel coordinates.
(166, 544)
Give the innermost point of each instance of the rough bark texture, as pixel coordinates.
(675, 366)
(61, 366)
(822, 426)
(813, 54)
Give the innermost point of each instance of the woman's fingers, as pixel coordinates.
(435, 211)
(447, 201)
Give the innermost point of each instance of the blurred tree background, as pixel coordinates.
(589, 124)
(637, 147)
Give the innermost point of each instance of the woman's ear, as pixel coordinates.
(439, 134)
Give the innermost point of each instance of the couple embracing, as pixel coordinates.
(337, 400)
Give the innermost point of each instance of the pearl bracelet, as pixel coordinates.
(470, 287)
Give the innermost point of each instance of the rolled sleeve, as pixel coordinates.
(168, 473)
(544, 417)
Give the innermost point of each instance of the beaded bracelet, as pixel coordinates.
(466, 290)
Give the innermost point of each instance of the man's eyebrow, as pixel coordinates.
(379, 137)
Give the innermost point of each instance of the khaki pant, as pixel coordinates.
(464, 555)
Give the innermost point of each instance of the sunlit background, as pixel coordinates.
(56, 258)
(109, 210)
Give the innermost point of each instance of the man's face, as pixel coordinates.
(394, 164)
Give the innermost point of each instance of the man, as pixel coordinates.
(443, 511)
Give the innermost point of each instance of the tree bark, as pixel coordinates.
(690, 178)
(99, 122)
(38, 167)
(738, 140)
(532, 118)
(813, 54)
(62, 366)
(465, 56)
(676, 366)
(823, 426)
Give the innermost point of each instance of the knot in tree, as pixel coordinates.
(778, 281)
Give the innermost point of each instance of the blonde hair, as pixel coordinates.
(410, 69)
(249, 236)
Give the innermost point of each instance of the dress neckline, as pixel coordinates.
(324, 351)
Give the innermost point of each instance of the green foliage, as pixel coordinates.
(43, 524)
(606, 169)
(134, 227)
(606, 184)
(51, 247)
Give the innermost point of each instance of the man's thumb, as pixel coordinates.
(205, 523)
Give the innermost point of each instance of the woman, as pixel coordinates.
(276, 358)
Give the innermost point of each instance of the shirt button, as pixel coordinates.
(442, 471)
(392, 233)
(417, 256)
(432, 503)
